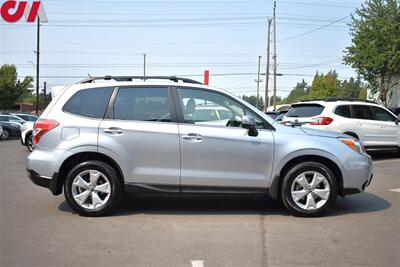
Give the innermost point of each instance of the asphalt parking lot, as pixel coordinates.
(38, 229)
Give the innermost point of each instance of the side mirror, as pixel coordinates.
(397, 120)
(249, 123)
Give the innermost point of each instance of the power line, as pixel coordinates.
(313, 30)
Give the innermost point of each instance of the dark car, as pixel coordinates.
(395, 110)
(272, 114)
(281, 115)
(9, 130)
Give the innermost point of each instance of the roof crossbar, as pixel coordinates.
(131, 78)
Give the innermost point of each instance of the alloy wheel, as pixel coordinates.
(91, 189)
(310, 190)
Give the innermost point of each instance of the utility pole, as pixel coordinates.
(37, 64)
(144, 67)
(258, 82)
(44, 93)
(267, 72)
(274, 56)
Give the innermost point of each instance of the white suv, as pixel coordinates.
(375, 126)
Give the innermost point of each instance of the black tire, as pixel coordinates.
(5, 135)
(353, 135)
(292, 174)
(29, 142)
(115, 184)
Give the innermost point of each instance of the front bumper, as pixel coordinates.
(357, 175)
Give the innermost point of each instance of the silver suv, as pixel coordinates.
(100, 139)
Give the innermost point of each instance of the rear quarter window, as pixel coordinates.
(90, 103)
(305, 110)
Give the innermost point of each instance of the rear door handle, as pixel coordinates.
(193, 137)
(114, 131)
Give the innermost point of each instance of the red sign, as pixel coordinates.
(12, 11)
(206, 77)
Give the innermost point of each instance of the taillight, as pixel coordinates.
(41, 127)
(321, 121)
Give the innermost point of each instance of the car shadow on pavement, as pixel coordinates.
(232, 205)
(384, 155)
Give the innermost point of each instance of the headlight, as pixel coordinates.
(353, 144)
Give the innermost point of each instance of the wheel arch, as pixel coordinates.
(353, 134)
(80, 157)
(276, 184)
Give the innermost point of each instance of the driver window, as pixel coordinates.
(208, 108)
(142, 104)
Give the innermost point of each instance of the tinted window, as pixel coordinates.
(362, 112)
(343, 111)
(381, 114)
(89, 102)
(3, 118)
(209, 108)
(142, 104)
(305, 110)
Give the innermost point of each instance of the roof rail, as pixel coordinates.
(334, 99)
(131, 78)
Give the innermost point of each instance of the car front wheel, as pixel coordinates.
(92, 188)
(5, 135)
(309, 189)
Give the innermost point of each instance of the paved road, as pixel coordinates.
(38, 229)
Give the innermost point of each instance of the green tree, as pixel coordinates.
(375, 48)
(253, 100)
(12, 89)
(351, 88)
(297, 94)
(324, 85)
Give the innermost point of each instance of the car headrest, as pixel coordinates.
(190, 106)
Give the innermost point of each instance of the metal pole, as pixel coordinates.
(267, 72)
(144, 66)
(258, 82)
(37, 64)
(274, 56)
(44, 92)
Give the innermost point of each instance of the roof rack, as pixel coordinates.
(131, 78)
(334, 99)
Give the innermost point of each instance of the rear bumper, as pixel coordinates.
(44, 181)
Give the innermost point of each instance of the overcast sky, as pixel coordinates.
(182, 37)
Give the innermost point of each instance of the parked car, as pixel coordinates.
(14, 120)
(281, 115)
(9, 130)
(272, 114)
(1, 131)
(26, 117)
(375, 126)
(395, 110)
(97, 141)
(27, 137)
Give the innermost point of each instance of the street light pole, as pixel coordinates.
(267, 72)
(274, 56)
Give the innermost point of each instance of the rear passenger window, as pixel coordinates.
(89, 102)
(362, 112)
(381, 114)
(343, 111)
(142, 104)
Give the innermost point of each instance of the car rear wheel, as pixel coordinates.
(5, 135)
(92, 188)
(309, 189)
(29, 143)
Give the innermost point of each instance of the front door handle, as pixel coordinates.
(114, 131)
(193, 137)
